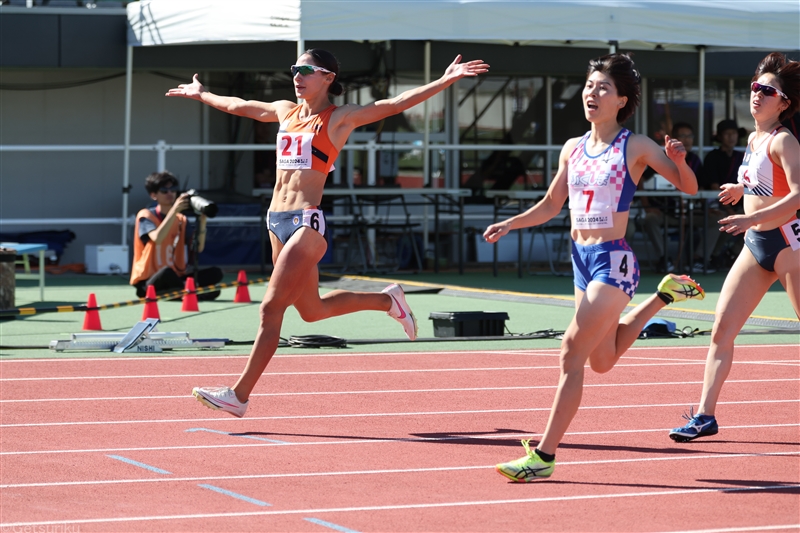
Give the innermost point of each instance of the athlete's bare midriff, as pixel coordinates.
(297, 189)
(587, 237)
(754, 203)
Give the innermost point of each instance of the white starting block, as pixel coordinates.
(140, 339)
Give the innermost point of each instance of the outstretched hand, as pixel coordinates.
(188, 90)
(675, 149)
(458, 70)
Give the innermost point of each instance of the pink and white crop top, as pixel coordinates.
(599, 185)
(759, 174)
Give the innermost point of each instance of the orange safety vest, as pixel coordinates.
(149, 258)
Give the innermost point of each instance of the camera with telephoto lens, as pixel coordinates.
(201, 206)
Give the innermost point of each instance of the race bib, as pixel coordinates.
(622, 265)
(294, 150)
(591, 207)
(791, 232)
(314, 219)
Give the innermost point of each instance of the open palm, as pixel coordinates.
(458, 70)
(188, 90)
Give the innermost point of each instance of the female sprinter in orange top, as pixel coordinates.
(599, 173)
(769, 180)
(310, 137)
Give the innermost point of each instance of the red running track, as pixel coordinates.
(395, 442)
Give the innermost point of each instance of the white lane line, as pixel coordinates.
(374, 508)
(398, 391)
(740, 529)
(154, 358)
(540, 351)
(490, 436)
(335, 372)
(664, 362)
(376, 415)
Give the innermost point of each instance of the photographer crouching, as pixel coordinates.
(159, 246)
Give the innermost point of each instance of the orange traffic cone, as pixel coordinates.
(151, 305)
(190, 298)
(91, 320)
(242, 291)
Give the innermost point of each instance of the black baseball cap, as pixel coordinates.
(726, 124)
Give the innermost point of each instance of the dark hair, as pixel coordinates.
(788, 73)
(156, 180)
(323, 58)
(619, 67)
(681, 125)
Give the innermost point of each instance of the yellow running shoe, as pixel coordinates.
(528, 468)
(674, 288)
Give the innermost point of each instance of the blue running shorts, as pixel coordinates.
(766, 245)
(284, 224)
(612, 263)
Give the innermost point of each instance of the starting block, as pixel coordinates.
(142, 338)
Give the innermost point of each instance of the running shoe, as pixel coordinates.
(698, 426)
(400, 310)
(679, 288)
(221, 398)
(528, 468)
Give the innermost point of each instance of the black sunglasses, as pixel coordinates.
(165, 190)
(766, 90)
(305, 70)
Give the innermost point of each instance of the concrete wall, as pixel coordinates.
(58, 184)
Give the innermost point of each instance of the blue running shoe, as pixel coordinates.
(698, 426)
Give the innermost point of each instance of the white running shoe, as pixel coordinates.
(400, 310)
(221, 398)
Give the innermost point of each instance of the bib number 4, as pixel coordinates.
(622, 265)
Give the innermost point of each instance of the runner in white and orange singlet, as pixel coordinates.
(769, 181)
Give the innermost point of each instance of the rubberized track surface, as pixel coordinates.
(395, 442)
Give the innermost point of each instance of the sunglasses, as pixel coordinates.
(305, 70)
(165, 190)
(766, 90)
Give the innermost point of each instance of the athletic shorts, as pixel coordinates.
(766, 245)
(612, 263)
(284, 224)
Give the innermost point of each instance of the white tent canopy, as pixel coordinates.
(679, 25)
(675, 24)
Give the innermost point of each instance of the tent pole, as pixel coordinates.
(301, 48)
(426, 180)
(731, 113)
(426, 113)
(701, 101)
(126, 154)
(548, 88)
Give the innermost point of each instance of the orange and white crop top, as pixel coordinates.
(759, 174)
(303, 144)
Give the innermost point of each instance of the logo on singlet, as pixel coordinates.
(578, 178)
